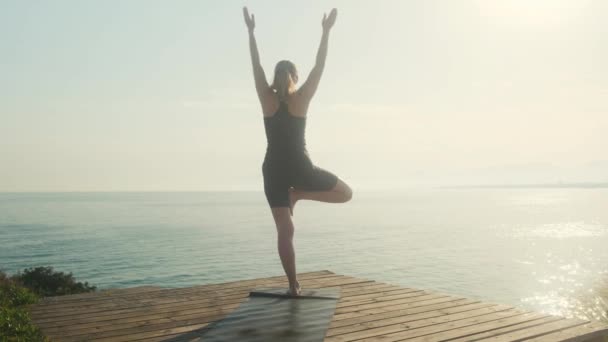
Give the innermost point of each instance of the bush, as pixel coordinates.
(25, 288)
(13, 295)
(15, 323)
(45, 282)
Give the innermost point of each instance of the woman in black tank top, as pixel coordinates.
(288, 172)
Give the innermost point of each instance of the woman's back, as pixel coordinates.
(285, 133)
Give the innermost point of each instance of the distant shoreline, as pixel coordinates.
(530, 186)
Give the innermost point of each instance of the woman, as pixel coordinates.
(289, 174)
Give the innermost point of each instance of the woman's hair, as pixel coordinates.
(285, 78)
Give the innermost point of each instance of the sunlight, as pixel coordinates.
(536, 14)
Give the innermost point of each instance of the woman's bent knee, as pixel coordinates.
(348, 194)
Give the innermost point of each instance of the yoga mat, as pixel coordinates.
(270, 315)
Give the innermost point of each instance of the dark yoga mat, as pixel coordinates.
(270, 315)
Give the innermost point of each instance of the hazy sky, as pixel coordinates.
(158, 95)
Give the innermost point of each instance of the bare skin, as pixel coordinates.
(339, 194)
(297, 102)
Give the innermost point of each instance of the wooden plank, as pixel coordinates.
(215, 296)
(149, 330)
(149, 324)
(114, 320)
(374, 322)
(448, 325)
(419, 300)
(377, 286)
(389, 313)
(167, 292)
(221, 293)
(87, 296)
(153, 330)
(191, 336)
(77, 297)
(62, 315)
(537, 331)
(99, 298)
(419, 305)
(121, 314)
(123, 323)
(586, 332)
(365, 295)
(71, 329)
(145, 336)
(507, 329)
(396, 331)
(436, 307)
(467, 331)
(386, 298)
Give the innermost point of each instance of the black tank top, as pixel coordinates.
(285, 134)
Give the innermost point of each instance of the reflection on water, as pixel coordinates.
(562, 230)
(578, 301)
(592, 303)
(542, 249)
(567, 287)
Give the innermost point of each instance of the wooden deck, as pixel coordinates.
(367, 311)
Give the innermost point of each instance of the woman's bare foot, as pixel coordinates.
(292, 200)
(295, 290)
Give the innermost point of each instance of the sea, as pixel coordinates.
(543, 249)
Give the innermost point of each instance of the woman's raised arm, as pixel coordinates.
(308, 89)
(261, 85)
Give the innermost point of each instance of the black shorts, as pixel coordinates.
(301, 174)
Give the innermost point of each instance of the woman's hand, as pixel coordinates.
(328, 22)
(249, 20)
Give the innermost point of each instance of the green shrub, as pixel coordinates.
(25, 288)
(15, 325)
(13, 295)
(45, 282)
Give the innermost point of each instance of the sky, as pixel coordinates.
(156, 95)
